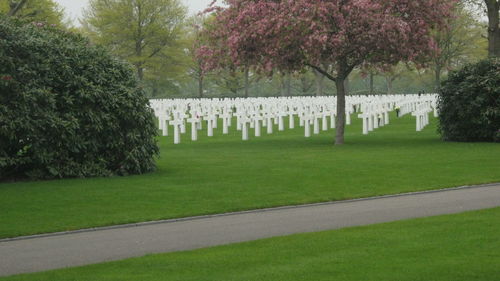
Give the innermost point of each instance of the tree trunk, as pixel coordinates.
(493, 7)
(319, 82)
(140, 72)
(154, 89)
(283, 85)
(138, 44)
(288, 85)
(246, 82)
(343, 72)
(305, 84)
(389, 85)
(371, 83)
(200, 87)
(437, 72)
(347, 85)
(340, 122)
(16, 7)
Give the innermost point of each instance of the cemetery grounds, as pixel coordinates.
(223, 174)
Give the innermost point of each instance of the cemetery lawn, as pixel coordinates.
(224, 174)
(462, 247)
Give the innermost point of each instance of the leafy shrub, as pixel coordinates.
(469, 103)
(68, 109)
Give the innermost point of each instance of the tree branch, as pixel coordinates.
(17, 8)
(320, 70)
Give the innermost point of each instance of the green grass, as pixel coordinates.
(223, 174)
(463, 247)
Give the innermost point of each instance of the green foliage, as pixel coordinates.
(461, 43)
(146, 33)
(469, 103)
(47, 11)
(68, 109)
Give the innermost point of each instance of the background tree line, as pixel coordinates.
(159, 39)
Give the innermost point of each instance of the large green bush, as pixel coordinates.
(469, 103)
(68, 109)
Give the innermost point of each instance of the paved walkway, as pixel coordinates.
(31, 254)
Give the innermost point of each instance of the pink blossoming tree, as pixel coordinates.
(330, 36)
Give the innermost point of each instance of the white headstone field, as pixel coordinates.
(315, 112)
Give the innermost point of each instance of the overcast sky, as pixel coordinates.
(74, 8)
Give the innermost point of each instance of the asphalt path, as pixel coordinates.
(59, 250)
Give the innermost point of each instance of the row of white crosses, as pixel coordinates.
(422, 115)
(375, 115)
(315, 114)
(419, 106)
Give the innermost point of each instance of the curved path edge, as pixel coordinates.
(74, 248)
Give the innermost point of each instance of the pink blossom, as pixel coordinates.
(38, 24)
(288, 35)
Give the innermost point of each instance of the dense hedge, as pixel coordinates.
(469, 103)
(68, 109)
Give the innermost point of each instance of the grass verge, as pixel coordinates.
(463, 247)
